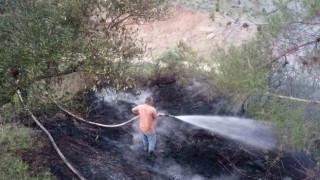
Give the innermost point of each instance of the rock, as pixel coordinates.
(259, 27)
(211, 35)
(245, 25)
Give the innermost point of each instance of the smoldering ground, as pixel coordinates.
(184, 151)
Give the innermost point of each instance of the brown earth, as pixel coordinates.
(196, 29)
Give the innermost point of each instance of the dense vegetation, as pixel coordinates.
(58, 40)
(51, 42)
(281, 62)
(47, 39)
(277, 73)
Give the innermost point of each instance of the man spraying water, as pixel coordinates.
(248, 131)
(148, 116)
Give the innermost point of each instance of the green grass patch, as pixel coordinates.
(15, 139)
(12, 167)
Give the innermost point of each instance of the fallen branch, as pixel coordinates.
(50, 137)
(293, 98)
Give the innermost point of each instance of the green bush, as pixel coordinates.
(175, 63)
(236, 68)
(289, 122)
(49, 39)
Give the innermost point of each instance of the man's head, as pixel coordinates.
(149, 100)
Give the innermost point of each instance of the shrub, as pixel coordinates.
(289, 122)
(235, 69)
(173, 65)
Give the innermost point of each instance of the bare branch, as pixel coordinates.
(271, 12)
(294, 98)
(118, 21)
(287, 52)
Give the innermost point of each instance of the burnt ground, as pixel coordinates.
(183, 151)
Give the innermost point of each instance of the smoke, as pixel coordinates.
(227, 177)
(108, 95)
(136, 137)
(245, 130)
(164, 127)
(199, 87)
(179, 173)
(168, 167)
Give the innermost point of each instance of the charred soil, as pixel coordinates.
(183, 151)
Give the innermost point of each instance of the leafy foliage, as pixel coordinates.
(286, 116)
(277, 61)
(175, 64)
(49, 39)
(46, 39)
(294, 129)
(235, 70)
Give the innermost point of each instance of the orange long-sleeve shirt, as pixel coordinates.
(148, 115)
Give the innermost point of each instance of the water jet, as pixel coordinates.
(251, 132)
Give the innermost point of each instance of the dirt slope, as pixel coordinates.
(196, 29)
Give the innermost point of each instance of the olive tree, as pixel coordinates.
(45, 39)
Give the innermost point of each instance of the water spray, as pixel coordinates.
(248, 131)
(166, 115)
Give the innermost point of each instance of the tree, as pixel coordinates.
(281, 65)
(52, 38)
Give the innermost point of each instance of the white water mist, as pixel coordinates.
(110, 96)
(247, 131)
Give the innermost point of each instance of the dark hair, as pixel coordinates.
(148, 99)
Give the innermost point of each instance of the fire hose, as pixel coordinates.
(90, 122)
(64, 159)
(76, 172)
(94, 123)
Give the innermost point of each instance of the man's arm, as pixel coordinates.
(135, 110)
(155, 114)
